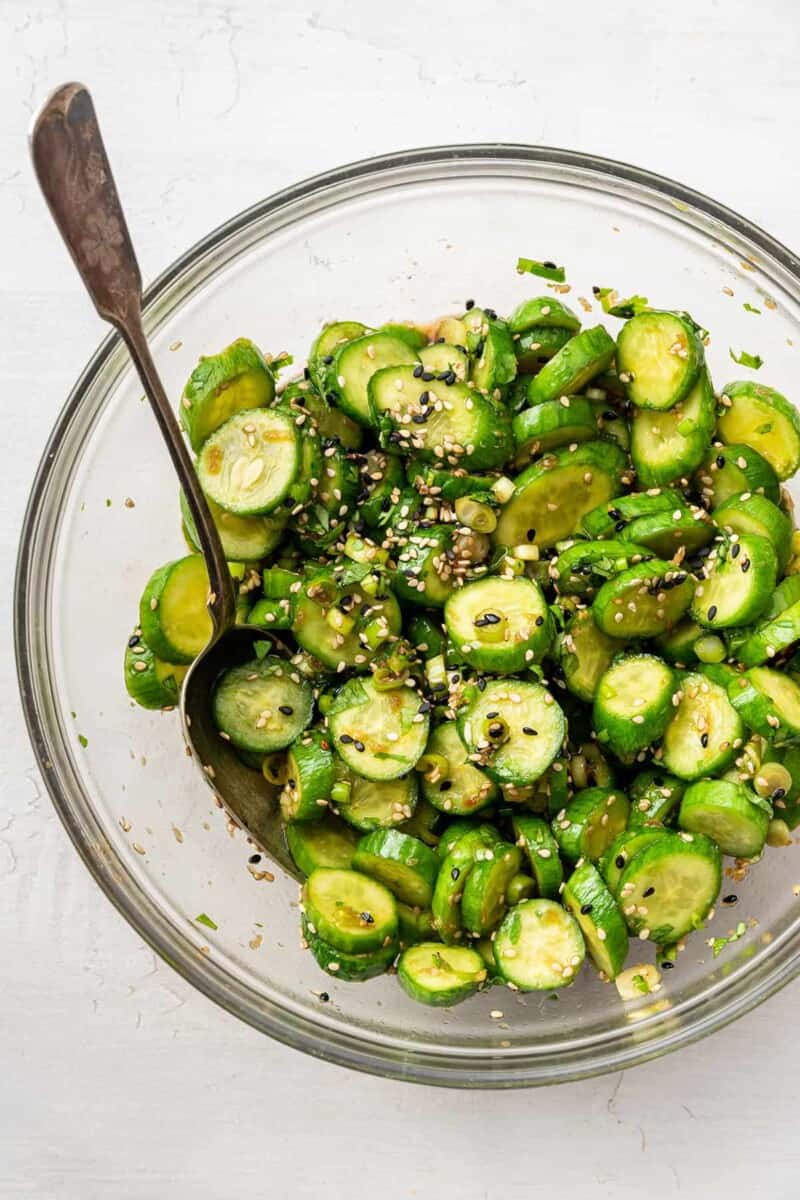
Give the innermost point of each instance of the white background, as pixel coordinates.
(116, 1079)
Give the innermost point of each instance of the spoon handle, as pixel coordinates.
(74, 174)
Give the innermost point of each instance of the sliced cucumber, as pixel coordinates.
(643, 601)
(457, 787)
(539, 946)
(331, 338)
(677, 645)
(730, 470)
(173, 611)
(438, 421)
(729, 813)
(379, 735)
(322, 522)
(584, 356)
(415, 925)
(450, 484)
(534, 836)
(768, 702)
(381, 475)
(483, 901)
(262, 705)
(149, 681)
(453, 874)
(331, 422)
(324, 843)
(601, 923)
(704, 733)
(425, 573)
(661, 355)
(369, 805)
(633, 704)
(667, 446)
(772, 637)
(445, 360)
(740, 580)
(440, 975)
(590, 822)
(248, 465)
(536, 346)
(552, 495)
(763, 419)
(355, 364)
(346, 967)
(611, 518)
(521, 887)
(669, 888)
(584, 653)
(752, 513)
(409, 333)
(655, 795)
(223, 384)
(499, 625)
(552, 424)
(545, 311)
(310, 777)
(349, 911)
(332, 617)
(403, 864)
(495, 362)
(665, 533)
(244, 539)
(512, 730)
(583, 567)
(622, 850)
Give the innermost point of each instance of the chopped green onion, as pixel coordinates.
(751, 308)
(615, 307)
(545, 270)
(205, 919)
(747, 360)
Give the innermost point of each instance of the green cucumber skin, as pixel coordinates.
(572, 568)
(461, 989)
(595, 909)
(209, 381)
(622, 850)
(143, 683)
(348, 967)
(549, 425)
(757, 514)
(311, 767)
(418, 863)
(758, 711)
(601, 523)
(771, 638)
(729, 813)
(325, 843)
(571, 829)
(373, 898)
(629, 583)
(627, 734)
(649, 864)
(698, 691)
(534, 835)
(628, 362)
(545, 311)
(755, 559)
(584, 356)
(784, 461)
(482, 911)
(733, 469)
(655, 796)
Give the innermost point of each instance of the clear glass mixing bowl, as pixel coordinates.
(405, 235)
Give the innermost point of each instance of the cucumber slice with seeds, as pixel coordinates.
(330, 617)
(610, 519)
(763, 419)
(331, 338)
(584, 653)
(702, 737)
(677, 645)
(355, 364)
(149, 681)
(731, 814)
(539, 946)
(445, 360)
(590, 822)
(348, 967)
(452, 877)
(222, 384)
(324, 843)
(768, 703)
(512, 730)
(655, 795)
(552, 424)
(495, 362)
(583, 567)
(552, 495)
(772, 637)
(731, 470)
(740, 579)
(460, 789)
(262, 705)
(499, 625)
(622, 850)
(381, 474)
(752, 513)
(665, 533)
(643, 601)
(544, 311)
(415, 925)
(310, 777)
(403, 864)
(534, 836)
(584, 356)
(380, 735)
(425, 566)
(633, 705)
(669, 888)
(440, 975)
(600, 920)
(371, 805)
(349, 911)
(248, 465)
(668, 446)
(661, 354)
(173, 611)
(483, 902)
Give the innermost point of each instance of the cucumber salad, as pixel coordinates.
(537, 591)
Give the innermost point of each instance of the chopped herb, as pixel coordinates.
(545, 270)
(747, 360)
(262, 649)
(718, 944)
(641, 984)
(108, 504)
(751, 308)
(205, 919)
(279, 364)
(84, 741)
(611, 303)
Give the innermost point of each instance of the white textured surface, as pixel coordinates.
(116, 1079)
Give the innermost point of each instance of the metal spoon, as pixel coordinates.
(73, 172)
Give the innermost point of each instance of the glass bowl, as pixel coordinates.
(411, 234)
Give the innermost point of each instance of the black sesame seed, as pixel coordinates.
(450, 378)
(455, 678)
(531, 535)
(469, 304)
(648, 892)
(424, 397)
(731, 899)
(586, 909)
(481, 684)
(778, 794)
(492, 714)
(620, 525)
(550, 265)
(368, 918)
(667, 965)
(418, 369)
(615, 514)
(712, 612)
(443, 375)
(134, 641)
(609, 415)
(704, 740)
(445, 787)
(424, 707)
(735, 548)
(530, 732)
(439, 342)
(345, 739)
(539, 621)
(491, 313)
(720, 461)
(479, 349)
(619, 861)
(328, 359)
(254, 858)
(495, 730)
(595, 289)
(746, 565)
(324, 997)
(286, 709)
(359, 746)
(306, 373)
(420, 418)
(428, 376)
(454, 874)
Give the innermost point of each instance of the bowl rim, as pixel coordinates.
(511, 1068)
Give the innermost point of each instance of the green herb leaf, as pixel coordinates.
(262, 649)
(279, 364)
(641, 984)
(205, 919)
(718, 944)
(84, 741)
(747, 360)
(750, 308)
(545, 270)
